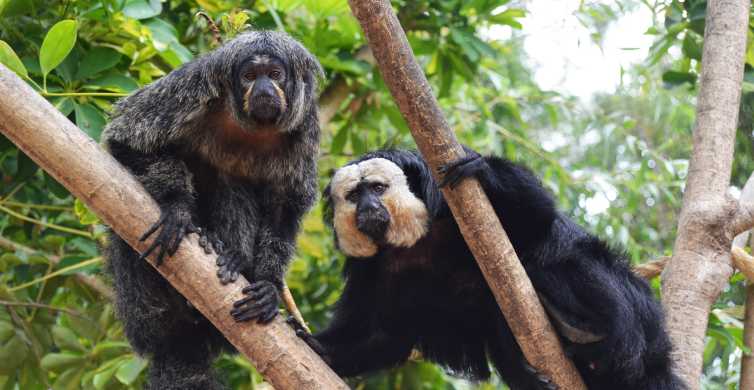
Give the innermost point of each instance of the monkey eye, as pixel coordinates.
(250, 76)
(352, 196)
(275, 74)
(379, 188)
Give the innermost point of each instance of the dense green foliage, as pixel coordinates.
(628, 150)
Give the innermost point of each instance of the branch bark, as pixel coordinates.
(77, 162)
(701, 263)
(478, 223)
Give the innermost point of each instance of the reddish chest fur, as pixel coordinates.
(259, 141)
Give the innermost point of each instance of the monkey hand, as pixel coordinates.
(230, 264)
(174, 224)
(467, 166)
(543, 382)
(308, 338)
(261, 303)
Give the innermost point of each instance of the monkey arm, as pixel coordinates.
(167, 179)
(524, 207)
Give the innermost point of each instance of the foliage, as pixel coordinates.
(617, 165)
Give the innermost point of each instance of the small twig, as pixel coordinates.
(290, 305)
(63, 270)
(652, 268)
(212, 27)
(42, 306)
(46, 224)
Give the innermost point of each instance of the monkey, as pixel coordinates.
(411, 281)
(226, 145)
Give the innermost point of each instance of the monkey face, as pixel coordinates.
(374, 207)
(262, 82)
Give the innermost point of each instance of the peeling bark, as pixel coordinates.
(477, 221)
(77, 162)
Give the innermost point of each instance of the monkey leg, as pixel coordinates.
(232, 219)
(150, 309)
(182, 364)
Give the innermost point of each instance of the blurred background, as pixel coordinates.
(597, 97)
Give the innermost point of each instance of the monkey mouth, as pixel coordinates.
(373, 224)
(265, 110)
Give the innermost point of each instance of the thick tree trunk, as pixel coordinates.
(701, 263)
(470, 206)
(78, 163)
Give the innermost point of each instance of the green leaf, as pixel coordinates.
(692, 48)
(130, 370)
(673, 78)
(339, 141)
(90, 120)
(96, 61)
(57, 362)
(142, 9)
(9, 58)
(101, 379)
(86, 216)
(66, 339)
(508, 17)
(115, 83)
(57, 44)
(12, 355)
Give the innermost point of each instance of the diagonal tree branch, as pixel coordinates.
(77, 162)
(471, 208)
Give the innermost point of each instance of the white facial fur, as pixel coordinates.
(408, 215)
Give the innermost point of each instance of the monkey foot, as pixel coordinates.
(261, 303)
(230, 264)
(467, 166)
(174, 224)
(545, 383)
(308, 338)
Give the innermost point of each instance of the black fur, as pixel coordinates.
(245, 198)
(433, 297)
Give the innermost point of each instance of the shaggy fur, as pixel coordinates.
(431, 295)
(211, 165)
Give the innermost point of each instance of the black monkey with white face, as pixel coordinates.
(411, 281)
(227, 146)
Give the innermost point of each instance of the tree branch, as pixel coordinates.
(701, 263)
(476, 219)
(77, 162)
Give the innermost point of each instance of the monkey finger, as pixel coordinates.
(225, 275)
(161, 255)
(265, 318)
(243, 301)
(204, 244)
(244, 315)
(153, 228)
(176, 242)
(149, 250)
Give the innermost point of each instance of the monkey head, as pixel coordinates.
(273, 79)
(373, 206)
